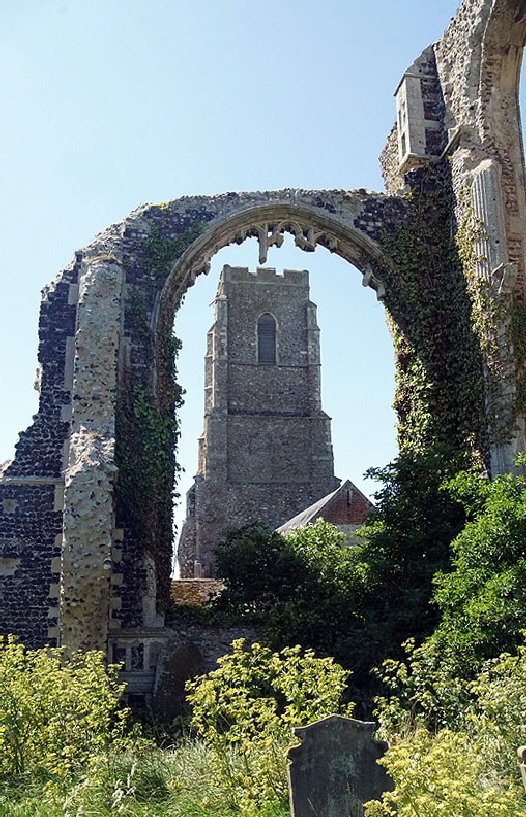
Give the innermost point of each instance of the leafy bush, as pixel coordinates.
(319, 610)
(483, 599)
(469, 765)
(297, 587)
(443, 774)
(56, 715)
(245, 710)
(423, 689)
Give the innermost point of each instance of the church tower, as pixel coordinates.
(265, 452)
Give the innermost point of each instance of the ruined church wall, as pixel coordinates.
(31, 486)
(478, 60)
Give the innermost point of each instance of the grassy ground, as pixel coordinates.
(161, 783)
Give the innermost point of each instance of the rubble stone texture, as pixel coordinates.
(265, 453)
(85, 533)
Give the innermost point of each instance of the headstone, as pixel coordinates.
(521, 751)
(522, 763)
(333, 772)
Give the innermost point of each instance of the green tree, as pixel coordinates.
(258, 569)
(298, 587)
(405, 542)
(483, 599)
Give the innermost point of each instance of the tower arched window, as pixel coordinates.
(266, 338)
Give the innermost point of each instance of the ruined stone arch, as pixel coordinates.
(501, 56)
(267, 222)
(121, 437)
(110, 459)
(85, 505)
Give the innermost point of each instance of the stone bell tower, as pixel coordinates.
(265, 452)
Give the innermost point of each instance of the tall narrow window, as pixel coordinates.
(266, 339)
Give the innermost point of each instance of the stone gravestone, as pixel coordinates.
(521, 751)
(333, 772)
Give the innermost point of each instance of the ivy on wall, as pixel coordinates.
(145, 441)
(439, 378)
(517, 335)
(147, 429)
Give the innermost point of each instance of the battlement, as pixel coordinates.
(265, 275)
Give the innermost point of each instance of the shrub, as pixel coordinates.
(442, 774)
(245, 710)
(56, 714)
(454, 740)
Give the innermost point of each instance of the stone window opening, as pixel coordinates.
(266, 338)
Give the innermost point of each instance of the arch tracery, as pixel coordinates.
(268, 223)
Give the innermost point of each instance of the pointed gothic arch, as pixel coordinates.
(267, 331)
(89, 491)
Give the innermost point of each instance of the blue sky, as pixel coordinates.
(107, 105)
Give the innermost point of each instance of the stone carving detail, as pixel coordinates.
(370, 280)
(490, 245)
(271, 234)
(503, 279)
(494, 267)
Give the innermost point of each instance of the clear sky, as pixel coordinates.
(111, 103)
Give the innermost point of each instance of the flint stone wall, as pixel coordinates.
(266, 450)
(112, 581)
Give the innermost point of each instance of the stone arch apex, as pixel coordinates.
(321, 218)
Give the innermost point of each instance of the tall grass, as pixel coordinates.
(175, 782)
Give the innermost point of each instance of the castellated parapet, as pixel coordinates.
(266, 451)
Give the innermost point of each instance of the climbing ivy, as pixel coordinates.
(517, 334)
(162, 249)
(439, 381)
(147, 429)
(145, 442)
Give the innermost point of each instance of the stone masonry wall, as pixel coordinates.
(31, 486)
(266, 451)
